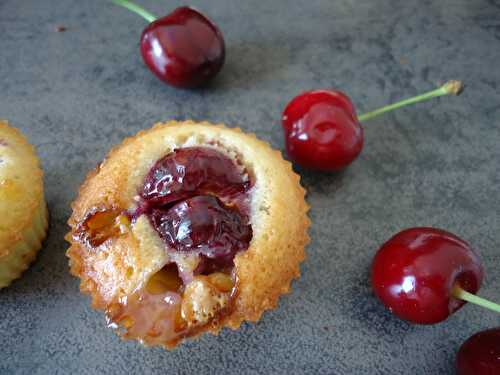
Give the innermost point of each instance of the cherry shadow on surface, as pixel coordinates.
(246, 65)
(251, 63)
(364, 307)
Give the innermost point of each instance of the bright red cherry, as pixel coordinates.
(183, 48)
(417, 272)
(480, 354)
(323, 132)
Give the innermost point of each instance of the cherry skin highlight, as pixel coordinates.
(480, 354)
(414, 273)
(184, 48)
(322, 131)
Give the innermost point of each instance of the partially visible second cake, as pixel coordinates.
(23, 212)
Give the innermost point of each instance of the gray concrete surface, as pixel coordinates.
(77, 93)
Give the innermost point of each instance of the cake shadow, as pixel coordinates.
(48, 276)
(320, 182)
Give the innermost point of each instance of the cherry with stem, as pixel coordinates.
(323, 132)
(184, 48)
(424, 274)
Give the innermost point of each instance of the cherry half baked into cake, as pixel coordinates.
(187, 228)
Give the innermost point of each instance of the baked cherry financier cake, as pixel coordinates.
(187, 228)
(23, 212)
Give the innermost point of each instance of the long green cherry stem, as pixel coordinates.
(136, 9)
(449, 88)
(459, 293)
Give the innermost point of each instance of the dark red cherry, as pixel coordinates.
(480, 354)
(192, 171)
(204, 225)
(184, 48)
(414, 274)
(322, 131)
(196, 199)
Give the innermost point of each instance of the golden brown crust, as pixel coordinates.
(278, 214)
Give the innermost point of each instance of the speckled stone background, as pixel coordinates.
(77, 93)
